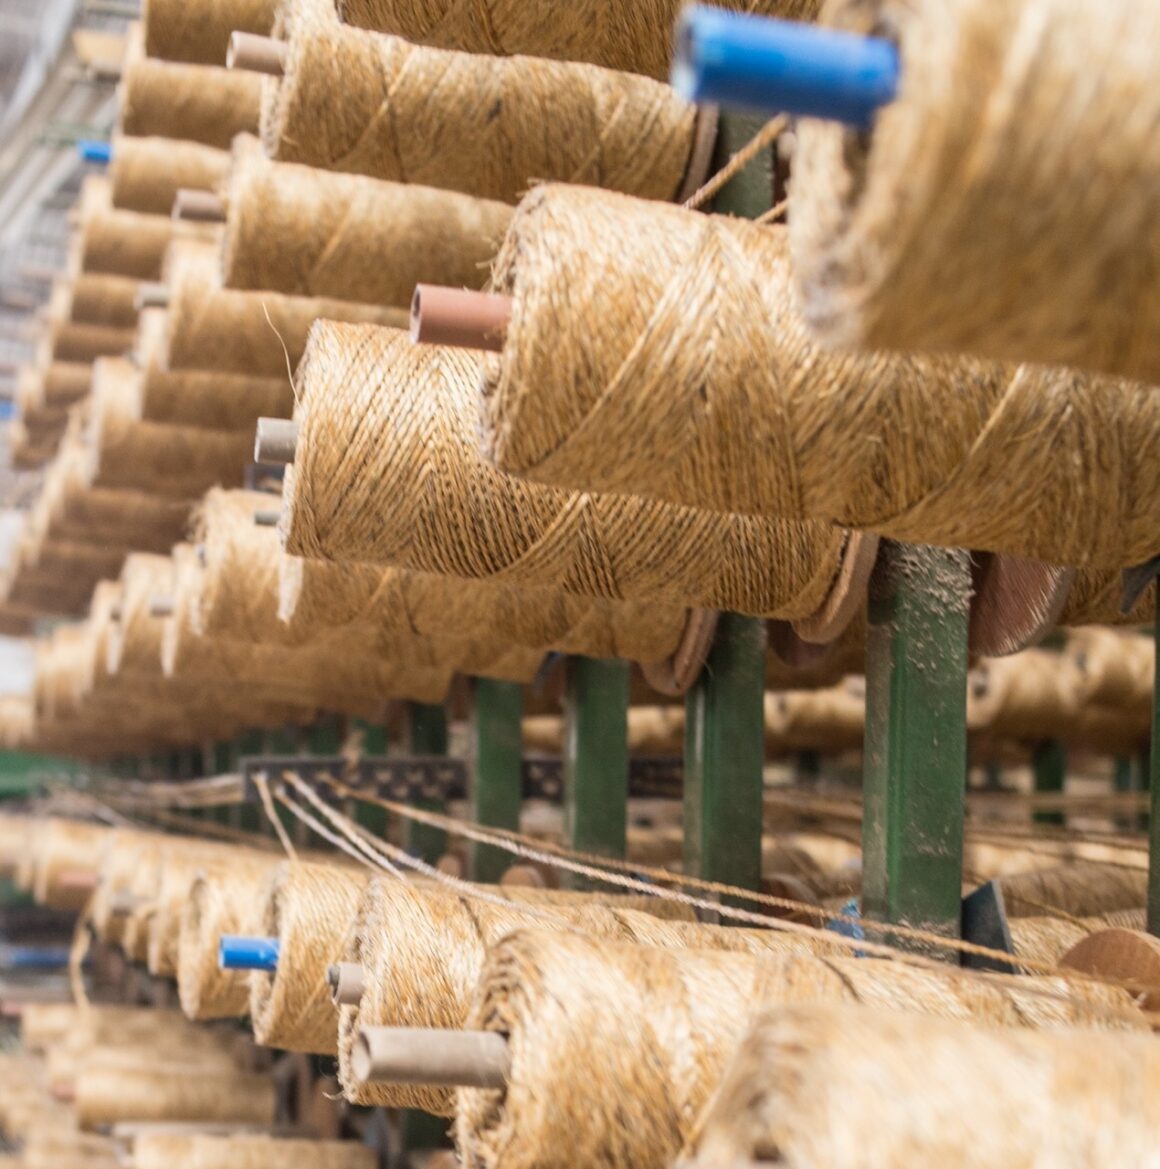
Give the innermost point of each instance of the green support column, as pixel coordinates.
(1050, 766)
(916, 738)
(1154, 785)
(725, 757)
(595, 758)
(426, 734)
(496, 770)
(249, 817)
(370, 816)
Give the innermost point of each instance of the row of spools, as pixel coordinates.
(551, 1026)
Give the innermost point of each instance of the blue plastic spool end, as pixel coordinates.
(780, 66)
(92, 150)
(238, 953)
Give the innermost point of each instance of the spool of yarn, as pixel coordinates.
(256, 334)
(924, 445)
(360, 444)
(17, 717)
(147, 173)
(55, 1147)
(830, 720)
(652, 730)
(1032, 695)
(636, 38)
(195, 103)
(306, 232)
(63, 384)
(212, 401)
(259, 1151)
(1115, 669)
(178, 462)
(369, 104)
(1046, 939)
(97, 299)
(898, 1088)
(223, 900)
(586, 1039)
(72, 341)
(1095, 597)
(872, 263)
(1080, 889)
(178, 31)
(61, 849)
(309, 909)
(422, 951)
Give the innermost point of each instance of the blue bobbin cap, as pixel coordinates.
(783, 67)
(239, 953)
(93, 150)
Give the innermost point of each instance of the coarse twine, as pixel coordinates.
(615, 1049)
(370, 104)
(1048, 939)
(176, 30)
(307, 232)
(147, 173)
(659, 351)
(77, 341)
(94, 298)
(1033, 695)
(249, 1151)
(1004, 203)
(63, 383)
(388, 471)
(261, 334)
(829, 1084)
(1079, 889)
(636, 37)
(61, 847)
(1116, 668)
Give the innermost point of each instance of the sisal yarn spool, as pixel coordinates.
(147, 173)
(194, 103)
(1031, 695)
(64, 384)
(55, 1147)
(178, 462)
(258, 1151)
(79, 342)
(134, 642)
(994, 159)
(830, 720)
(62, 848)
(190, 397)
(1115, 669)
(176, 30)
(369, 104)
(256, 334)
(1094, 599)
(615, 1049)
(383, 419)
(96, 299)
(306, 232)
(632, 321)
(840, 1085)
(1047, 939)
(634, 37)
(1080, 889)
(309, 909)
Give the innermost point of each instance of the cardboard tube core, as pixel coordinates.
(276, 440)
(151, 295)
(161, 607)
(347, 983)
(198, 206)
(267, 518)
(418, 1055)
(456, 317)
(256, 54)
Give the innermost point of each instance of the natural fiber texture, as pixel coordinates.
(1115, 669)
(179, 462)
(898, 1089)
(310, 233)
(658, 351)
(635, 37)
(256, 334)
(615, 1049)
(309, 909)
(224, 899)
(1046, 940)
(135, 640)
(177, 30)
(1032, 695)
(1079, 889)
(195, 103)
(383, 419)
(103, 300)
(263, 1152)
(994, 159)
(82, 343)
(60, 848)
(376, 105)
(63, 384)
(51, 1146)
(147, 173)
(829, 720)
(190, 397)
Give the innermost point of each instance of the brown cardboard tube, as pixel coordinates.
(151, 295)
(256, 54)
(275, 441)
(198, 206)
(347, 983)
(456, 317)
(161, 606)
(77, 879)
(418, 1055)
(267, 518)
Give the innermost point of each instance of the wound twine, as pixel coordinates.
(841, 1085)
(634, 37)
(257, 334)
(147, 173)
(1115, 669)
(72, 341)
(211, 401)
(63, 383)
(382, 419)
(176, 30)
(1032, 695)
(658, 351)
(95, 299)
(1094, 599)
(994, 158)
(369, 104)
(1079, 889)
(615, 1049)
(306, 232)
(64, 846)
(257, 1151)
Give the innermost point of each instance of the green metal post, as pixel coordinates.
(725, 756)
(916, 738)
(426, 734)
(1154, 785)
(724, 725)
(1050, 766)
(596, 758)
(496, 770)
(370, 816)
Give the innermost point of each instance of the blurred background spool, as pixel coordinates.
(1032, 696)
(1076, 889)
(147, 173)
(1115, 669)
(97, 299)
(81, 342)
(257, 1151)
(178, 31)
